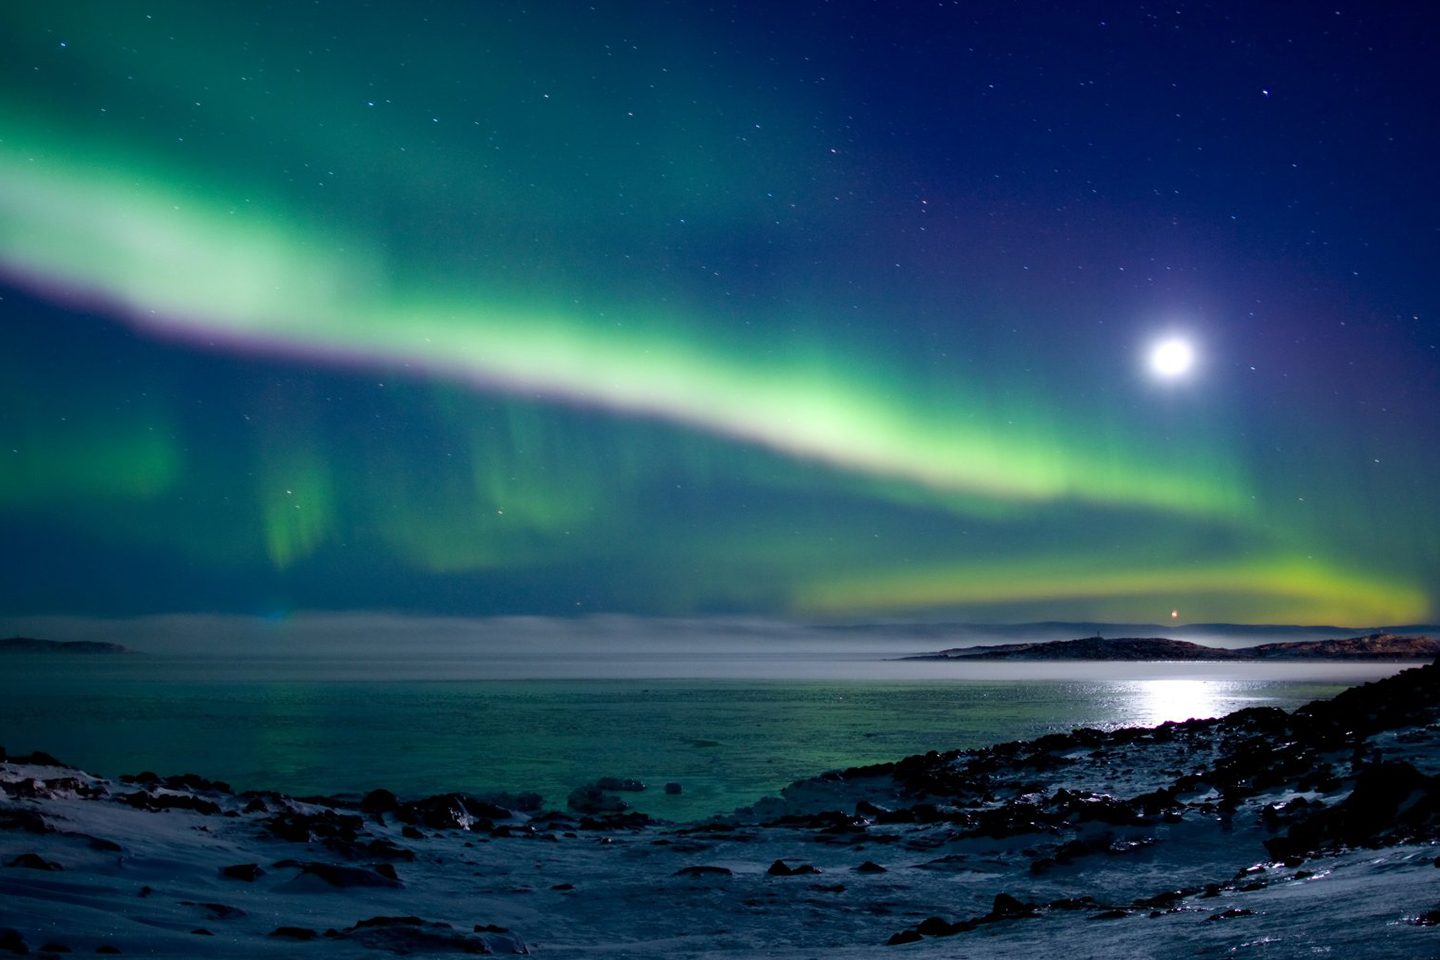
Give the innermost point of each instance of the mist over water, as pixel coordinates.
(732, 710)
(615, 645)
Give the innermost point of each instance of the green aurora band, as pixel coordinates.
(181, 267)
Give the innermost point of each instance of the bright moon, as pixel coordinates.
(1171, 358)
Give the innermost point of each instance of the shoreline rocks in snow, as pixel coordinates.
(1316, 830)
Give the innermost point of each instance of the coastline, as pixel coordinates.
(1180, 838)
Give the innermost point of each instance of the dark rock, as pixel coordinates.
(12, 942)
(1005, 904)
(1072, 903)
(1114, 914)
(412, 935)
(37, 759)
(159, 802)
(386, 870)
(673, 789)
(592, 800)
(616, 821)
(903, 937)
(379, 801)
(249, 872)
(408, 921)
(202, 932)
(1391, 802)
(18, 818)
(1231, 914)
(326, 827)
(100, 843)
(1007, 907)
(33, 861)
(870, 866)
(145, 891)
(293, 933)
(191, 781)
(781, 869)
(345, 877)
(1429, 918)
(937, 927)
(452, 811)
(563, 887)
(702, 870)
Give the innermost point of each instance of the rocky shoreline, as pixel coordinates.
(1312, 831)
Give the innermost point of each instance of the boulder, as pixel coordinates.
(343, 877)
(782, 869)
(301, 934)
(591, 800)
(160, 802)
(379, 801)
(702, 870)
(452, 811)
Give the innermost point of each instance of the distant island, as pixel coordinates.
(1374, 646)
(32, 645)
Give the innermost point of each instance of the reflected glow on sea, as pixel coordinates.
(729, 730)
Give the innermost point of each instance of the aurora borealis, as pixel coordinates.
(832, 311)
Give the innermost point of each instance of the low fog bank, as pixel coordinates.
(386, 636)
(381, 635)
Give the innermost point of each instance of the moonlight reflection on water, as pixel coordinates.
(1157, 701)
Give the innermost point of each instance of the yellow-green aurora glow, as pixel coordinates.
(477, 366)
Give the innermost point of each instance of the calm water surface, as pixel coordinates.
(748, 728)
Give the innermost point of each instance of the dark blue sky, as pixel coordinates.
(837, 310)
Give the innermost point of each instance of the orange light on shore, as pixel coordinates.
(1174, 614)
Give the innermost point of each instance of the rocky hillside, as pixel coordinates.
(32, 645)
(1375, 646)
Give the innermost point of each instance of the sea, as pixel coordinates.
(729, 722)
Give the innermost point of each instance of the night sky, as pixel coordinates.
(819, 310)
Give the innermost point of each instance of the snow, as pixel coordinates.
(547, 885)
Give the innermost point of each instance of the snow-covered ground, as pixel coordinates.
(1132, 843)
